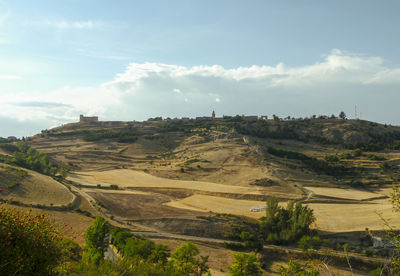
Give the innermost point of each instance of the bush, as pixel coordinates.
(306, 242)
(30, 244)
(294, 269)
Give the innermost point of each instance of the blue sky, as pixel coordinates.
(130, 60)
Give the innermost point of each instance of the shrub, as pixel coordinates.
(294, 268)
(306, 242)
(30, 244)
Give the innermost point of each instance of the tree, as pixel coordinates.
(64, 172)
(160, 254)
(342, 115)
(135, 247)
(245, 265)
(282, 225)
(183, 261)
(96, 240)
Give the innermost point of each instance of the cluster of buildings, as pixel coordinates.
(213, 118)
(95, 119)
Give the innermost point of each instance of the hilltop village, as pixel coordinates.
(95, 119)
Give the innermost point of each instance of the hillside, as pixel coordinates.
(182, 169)
(196, 177)
(30, 187)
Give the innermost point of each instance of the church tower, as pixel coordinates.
(213, 115)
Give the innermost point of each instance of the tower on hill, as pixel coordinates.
(213, 115)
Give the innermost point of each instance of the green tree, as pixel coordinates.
(63, 172)
(135, 247)
(282, 225)
(184, 262)
(160, 254)
(342, 115)
(96, 240)
(245, 265)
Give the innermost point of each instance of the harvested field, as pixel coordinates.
(344, 193)
(129, 178)
(204, 203)
(140, 206)
(353, 217)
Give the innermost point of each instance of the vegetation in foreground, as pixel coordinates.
(33, 246)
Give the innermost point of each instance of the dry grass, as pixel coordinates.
(353, 217)
(129, 178)
(213, 164)
(343, 193)
(37, 188)
(204, 203)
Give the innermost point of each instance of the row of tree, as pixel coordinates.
(25, 156)
(143, 257)
(315, 164)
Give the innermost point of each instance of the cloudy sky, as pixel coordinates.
(131, 60)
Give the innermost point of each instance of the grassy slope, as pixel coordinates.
(215, 154)
(34, 188)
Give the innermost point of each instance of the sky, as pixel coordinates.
(131, 60)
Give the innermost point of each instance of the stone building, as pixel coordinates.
(84, 119)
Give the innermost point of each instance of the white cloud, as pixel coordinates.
(338, 82)
(63, 24)
(10, 77)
